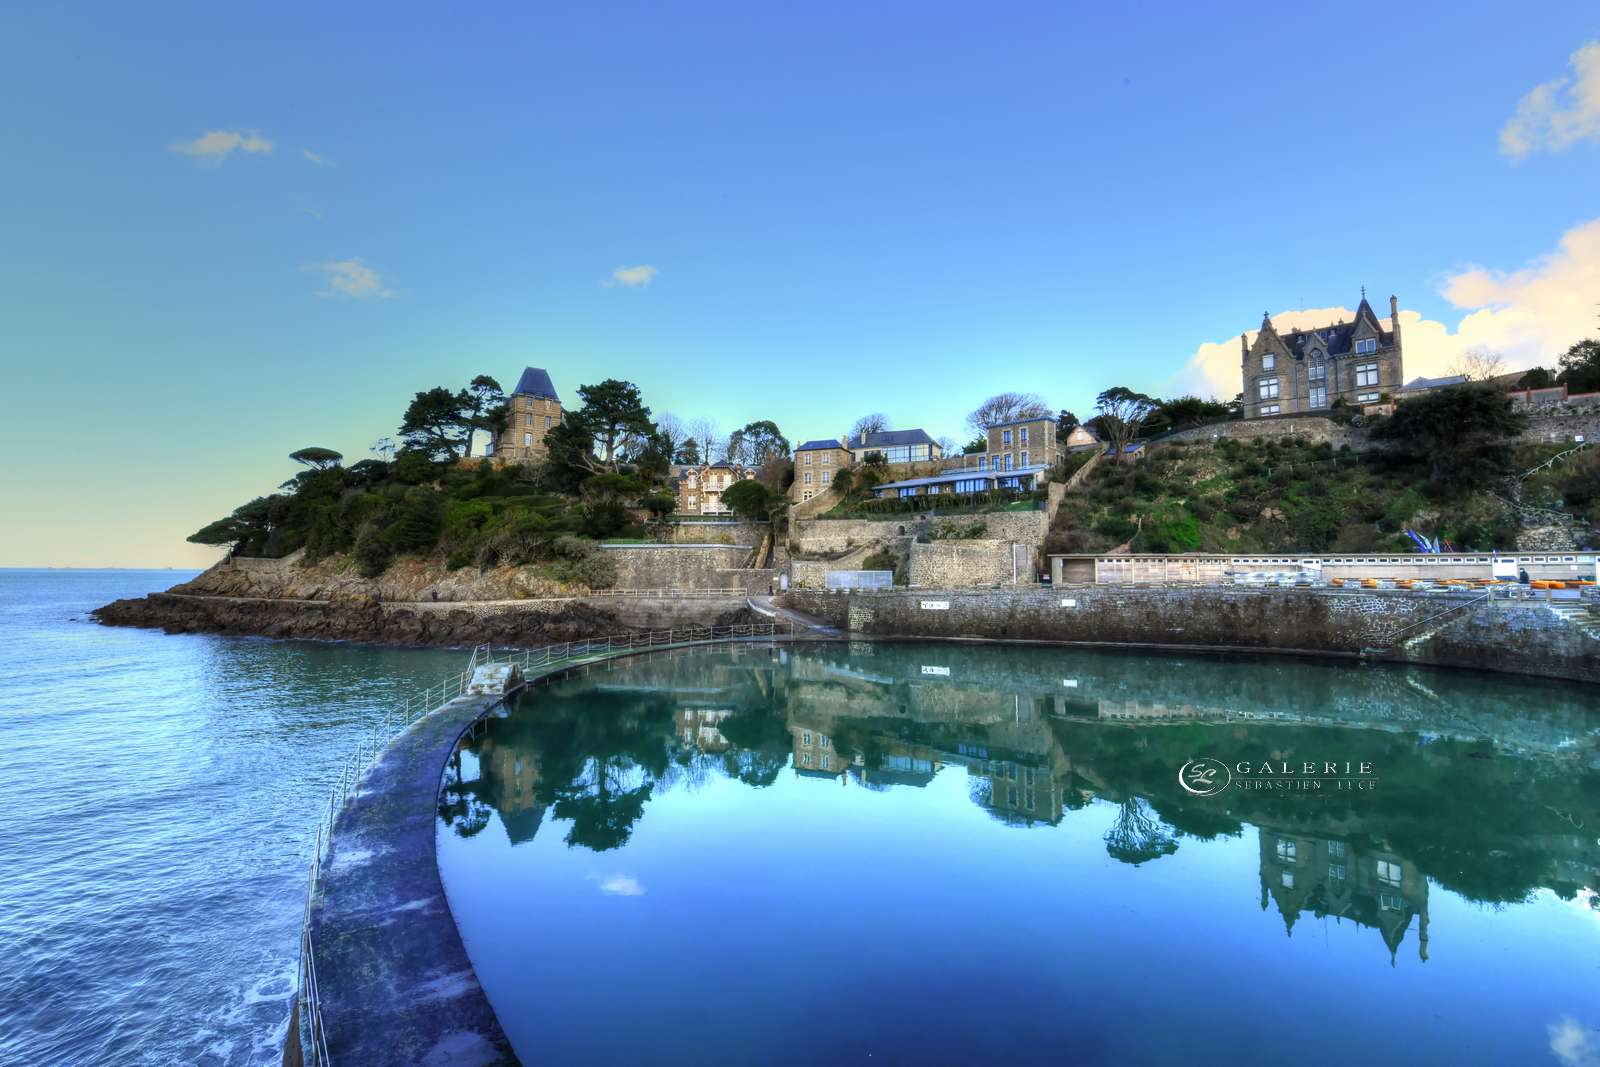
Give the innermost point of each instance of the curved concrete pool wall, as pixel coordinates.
(395, 982)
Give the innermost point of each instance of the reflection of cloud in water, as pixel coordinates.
(1573, 1044)
(619, 885)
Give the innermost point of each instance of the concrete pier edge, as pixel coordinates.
(396, 984)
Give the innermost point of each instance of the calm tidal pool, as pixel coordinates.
(944, 853)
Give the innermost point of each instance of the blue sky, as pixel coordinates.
(848, 208)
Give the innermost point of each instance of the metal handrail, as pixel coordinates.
(371, 744)
(1474, 602)
(1552, 461)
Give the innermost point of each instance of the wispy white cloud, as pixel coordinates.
(1572, 1044)
(631, 276)
(1528, 316)
(1557, 114)
(619, 885)
(315, 157)
(351, 278)
(214, 146)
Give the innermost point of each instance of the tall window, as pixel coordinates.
(1269, 361)
(825, 477)
(1319, 395)
(808, 459)
(1366, 374)
(1005, 438)
(1008, 461)
(527, 440)
(1024, 459)
(1024, 438)
(1267, 389)
(808, 478)
(527, 418)
(547, 422)
(983, 463)
(826, 457)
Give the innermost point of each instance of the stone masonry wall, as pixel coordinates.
(958, 564)
(1312, 427)
(837, 535)
(671, 567)
(1514, 637)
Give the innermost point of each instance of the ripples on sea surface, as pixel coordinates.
(161, 792)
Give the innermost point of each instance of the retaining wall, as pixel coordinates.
(680, 567)
(1523, 637)
(967, 564)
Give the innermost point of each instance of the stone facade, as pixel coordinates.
(700, 488)
(1308, 370)
(685, 567)
(815, 464)
(969, 564)
(1313, 428)
(532, 410)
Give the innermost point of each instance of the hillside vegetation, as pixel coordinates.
(1281, 496)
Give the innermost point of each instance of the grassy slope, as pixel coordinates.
(1271, 496)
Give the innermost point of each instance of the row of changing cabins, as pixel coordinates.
(1546, 570)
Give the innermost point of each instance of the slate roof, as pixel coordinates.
(886, 438)
(1436, 383)
(1336, 340)
(535, 381)
(820, 443)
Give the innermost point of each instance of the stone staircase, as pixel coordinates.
(1543, 529)
(1581, 615)
(494, 679)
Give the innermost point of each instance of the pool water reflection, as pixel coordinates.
(949, 853)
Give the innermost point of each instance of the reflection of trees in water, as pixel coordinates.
(1138, 834)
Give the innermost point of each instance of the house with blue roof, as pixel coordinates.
(532, 410)
(1308, 370)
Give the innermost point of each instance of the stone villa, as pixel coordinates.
(1308, 370)
(700, 487)
(533, 408)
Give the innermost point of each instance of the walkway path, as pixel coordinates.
(765, 605)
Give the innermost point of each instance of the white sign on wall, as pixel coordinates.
(1069, 603)
(1070, 683)
(936, 605)
(943, 672)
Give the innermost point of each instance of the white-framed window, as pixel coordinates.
(1318, 371)
(805, 738)
(825, 477)
(1024, 438)
(1336, 850)
(808, 459)
(827, 457)
(1267, 389)
(1366, 374)
(527, 418)
(527, 440)
(1008, 461)
(1005, 438)
(807, 478)
(1336, 873)
(1319, 395)
(1368, 398)
(983, 463)
(1024, 459)
(822, 741)
(1269, 361)
(1267, 409)
(806, 495)
(1288, 879)
(1389, 872)
(1365, 345)
(805, 759)
(1288, 851)
(1391, 902)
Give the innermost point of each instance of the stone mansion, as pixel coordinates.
(1308, 370)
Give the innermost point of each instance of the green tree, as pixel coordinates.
(1536, 378)
(749, 499)
(1580, 367)
(612, 413)
(688, 452)
(1462, 434)
(433, 422)
(757, 442)
(483, 408)
(1122, 413)
(1066, 422)
(317, 458)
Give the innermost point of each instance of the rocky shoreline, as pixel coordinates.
(416, 625)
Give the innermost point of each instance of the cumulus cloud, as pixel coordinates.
(1558, 114)
(351, 278)
(631, 276)
(1528, 316)
(315, 157)
(214, 146)
(1572, 1045)
(619, 885)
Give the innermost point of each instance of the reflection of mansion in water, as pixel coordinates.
(1336, 879)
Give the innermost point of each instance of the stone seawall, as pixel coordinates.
(955, 564)
(1312, 428)
(1522, 637)
(838, 535)
(515, 623)
(688, 567)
